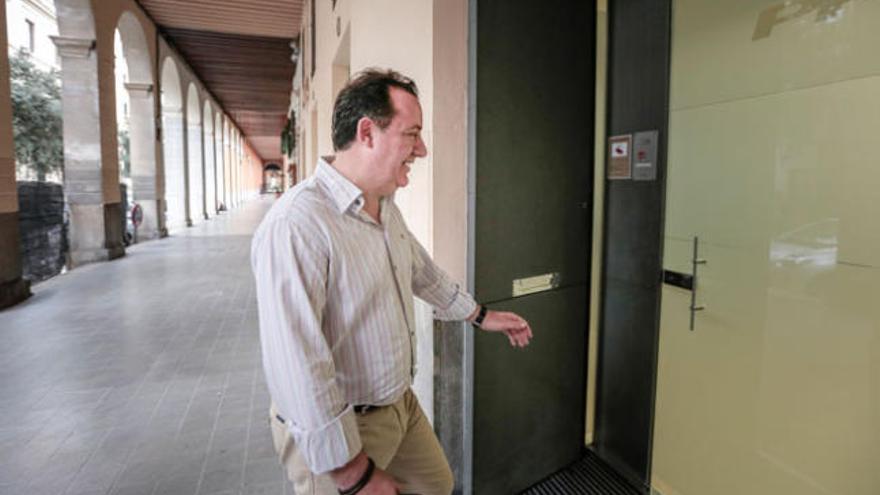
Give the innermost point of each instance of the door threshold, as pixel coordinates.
(588, 476)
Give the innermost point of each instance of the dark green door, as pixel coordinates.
(533, 209)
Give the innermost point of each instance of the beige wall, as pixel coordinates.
(8, 196)
(450, 135)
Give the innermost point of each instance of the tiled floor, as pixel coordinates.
(142, 375)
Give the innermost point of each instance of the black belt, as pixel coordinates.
(364, 408)
(358, 409)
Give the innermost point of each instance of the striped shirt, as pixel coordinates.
(335, 296)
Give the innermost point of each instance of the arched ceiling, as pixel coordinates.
(241, 50)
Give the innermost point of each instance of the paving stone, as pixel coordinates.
(141, 375)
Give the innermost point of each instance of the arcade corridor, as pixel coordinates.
(141, 375)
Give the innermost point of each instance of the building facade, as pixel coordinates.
(30, 26)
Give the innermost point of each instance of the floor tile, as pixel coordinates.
(143, 376)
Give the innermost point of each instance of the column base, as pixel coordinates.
(148, 234)
(81, 257)
(14, 292)
(113, 227)
(150, 228)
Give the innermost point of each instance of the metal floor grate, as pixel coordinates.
(588, 476)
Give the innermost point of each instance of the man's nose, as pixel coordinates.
(420, 149)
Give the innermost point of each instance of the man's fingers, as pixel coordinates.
(518, 338)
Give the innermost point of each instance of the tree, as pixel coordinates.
(124, 150)
(36, 116)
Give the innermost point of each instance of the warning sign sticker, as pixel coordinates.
(619, 158)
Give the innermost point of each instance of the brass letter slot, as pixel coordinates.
(538, 283)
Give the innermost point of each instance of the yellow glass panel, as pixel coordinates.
(773, 164)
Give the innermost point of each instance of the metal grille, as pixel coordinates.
(588, 476)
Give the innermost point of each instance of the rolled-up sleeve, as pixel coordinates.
(290, 264)
(431, 284)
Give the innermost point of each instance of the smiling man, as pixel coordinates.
(336, 271)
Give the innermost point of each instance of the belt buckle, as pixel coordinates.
(362, 409)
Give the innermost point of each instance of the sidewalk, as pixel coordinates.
(141, 375)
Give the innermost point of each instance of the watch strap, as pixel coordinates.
(478, 321)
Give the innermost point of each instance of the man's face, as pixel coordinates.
(399, 144)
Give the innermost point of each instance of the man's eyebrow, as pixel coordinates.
(415, 127)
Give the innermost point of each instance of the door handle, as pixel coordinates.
(696, 261)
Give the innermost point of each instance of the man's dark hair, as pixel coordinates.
(366, 95)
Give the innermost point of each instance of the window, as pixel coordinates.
(30, 26)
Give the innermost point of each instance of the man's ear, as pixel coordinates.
(365, 128)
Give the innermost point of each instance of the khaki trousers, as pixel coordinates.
(397, 437)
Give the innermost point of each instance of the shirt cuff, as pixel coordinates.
(462, 306)
(330, 446)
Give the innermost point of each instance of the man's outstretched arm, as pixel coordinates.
(434, 286)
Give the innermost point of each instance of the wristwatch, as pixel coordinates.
(478, 321)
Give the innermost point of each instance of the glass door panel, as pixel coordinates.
(774, 111)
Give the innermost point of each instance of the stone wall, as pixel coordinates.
(43, 229)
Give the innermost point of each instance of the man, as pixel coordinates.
(336, 271)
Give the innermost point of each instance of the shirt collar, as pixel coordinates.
(342, 191)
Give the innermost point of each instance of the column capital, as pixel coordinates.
(73, 47)
(139, 90)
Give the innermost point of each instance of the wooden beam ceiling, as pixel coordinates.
(272, 18)
(240, 49)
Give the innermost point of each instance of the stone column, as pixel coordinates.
(175, 169)
(218, 163)
(143, 159)
(94, 228)
(13, 288)
(238, 162)
(210, 171)
(233, 163)
(195, 172)
(222, 165)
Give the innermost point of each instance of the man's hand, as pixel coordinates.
(517, 329)
(381, 483)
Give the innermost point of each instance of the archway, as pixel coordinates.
(135, 118)
(196, 184)
(210, 170)
(272, 177)
(92, 196)
(172, 145)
